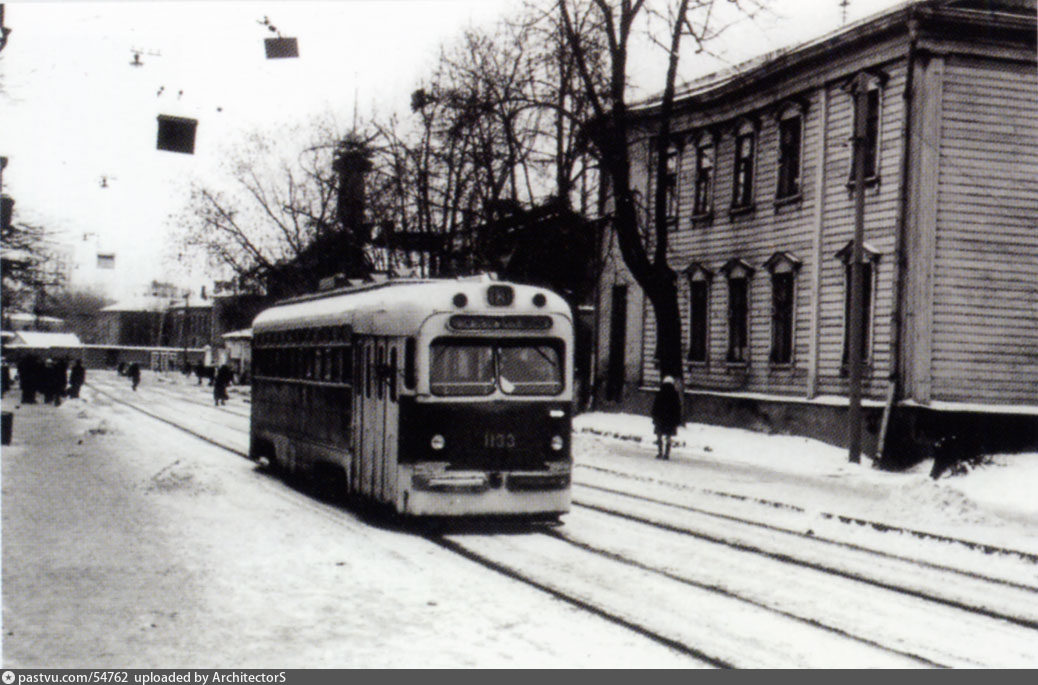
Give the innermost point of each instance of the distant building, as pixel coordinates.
(24, 321)
(189, 325)
(136, 321)
(761, 202)
(42, 344)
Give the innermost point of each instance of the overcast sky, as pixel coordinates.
(76, 115)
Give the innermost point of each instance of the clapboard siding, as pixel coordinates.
(753, 237)
(967, 300)
(881, 212)
(756, 236)
(985, 313)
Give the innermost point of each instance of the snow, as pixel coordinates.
(168, 553)
(994, 502)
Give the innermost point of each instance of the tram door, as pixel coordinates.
(360, 467)
(376, 417)
(390, 418)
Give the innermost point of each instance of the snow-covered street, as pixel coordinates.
(128, 542)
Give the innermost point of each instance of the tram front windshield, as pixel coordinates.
(519, 367)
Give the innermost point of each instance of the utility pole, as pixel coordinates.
(183, 326)
(854, 348)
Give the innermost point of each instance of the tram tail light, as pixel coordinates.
(437, 442)
(557, 443)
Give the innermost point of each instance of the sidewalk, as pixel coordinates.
(995, 503)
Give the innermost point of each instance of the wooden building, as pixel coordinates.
(762, 216)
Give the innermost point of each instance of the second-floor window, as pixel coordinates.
(704, 178)
(670, 183)
(790, 133)
(873, 107)
(742, 188)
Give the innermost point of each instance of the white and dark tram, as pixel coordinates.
(435, 397)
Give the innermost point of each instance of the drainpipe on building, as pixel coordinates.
(900, 257)
(854, 413)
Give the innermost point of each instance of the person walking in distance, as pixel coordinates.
(666, 416)
(135, 374)
(76, 379)
(221, 379)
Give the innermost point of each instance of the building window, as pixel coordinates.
(745, 148)
(698, 313)
(670, 183)
(873, 108)
(738, 273)
(868, 264)
(790, 134)
(704, 179)
(783, 268)
(672, 159)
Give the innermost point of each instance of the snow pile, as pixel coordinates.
(1001, 490)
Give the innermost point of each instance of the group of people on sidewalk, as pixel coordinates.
(51, 378)
(55, 380)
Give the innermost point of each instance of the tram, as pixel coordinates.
(434, 397)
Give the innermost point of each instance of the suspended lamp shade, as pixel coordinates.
(176, 134)
(281, 47)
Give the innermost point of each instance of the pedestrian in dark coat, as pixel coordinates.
(29, 372)
(666, 416)
(221, 379)
(76, 378)
(49, 381)
(61, 377)
(5, 384)
(135, 374)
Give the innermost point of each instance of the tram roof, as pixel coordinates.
(399, 307)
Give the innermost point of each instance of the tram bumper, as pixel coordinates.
(474, 493)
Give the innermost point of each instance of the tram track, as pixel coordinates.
(790, 558)
(323, 510)
(705, 655)
(808, 536)
(973, 545)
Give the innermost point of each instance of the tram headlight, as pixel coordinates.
(437, 442)
(557, 443)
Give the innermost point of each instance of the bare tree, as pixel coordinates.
(618, 25)
(495, 129)
(274, 216)
(23, 266)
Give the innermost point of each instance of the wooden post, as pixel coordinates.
(854, 349)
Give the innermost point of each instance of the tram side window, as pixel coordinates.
(347, 369)
(409, 364)
(367, 372)
(380, 369)
(357, 371)
(392, 374)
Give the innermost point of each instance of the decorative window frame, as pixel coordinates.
(745, 127)
(790, 109)
(784, 263)
(696, 272)
(869, 255)
(877, 81)
(674, 153)
(738, 269)
(703, 212)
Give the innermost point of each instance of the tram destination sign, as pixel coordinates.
(475, 322)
